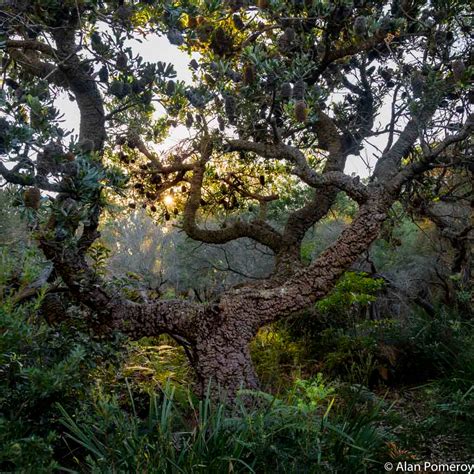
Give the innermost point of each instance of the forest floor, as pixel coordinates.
(415, 418)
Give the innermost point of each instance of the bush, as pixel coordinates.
(40, 366)
(345, 306)
(292, 435)
(400, 352)
(278, 358)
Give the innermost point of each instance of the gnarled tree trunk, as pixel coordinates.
(222, 361)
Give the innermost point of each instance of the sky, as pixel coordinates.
(152, 49)
(156, 48)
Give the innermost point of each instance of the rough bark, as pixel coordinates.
(221, 355)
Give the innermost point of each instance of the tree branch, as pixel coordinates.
(256, 230)
(350, 185)
(33, 45)
(429, 159)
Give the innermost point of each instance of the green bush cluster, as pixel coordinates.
(297, 434)
(40, 366)
(397, 352)
(72, 402)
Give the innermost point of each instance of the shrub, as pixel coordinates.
(293, 435)
(343, 308)
(39, 366)
(278, 358)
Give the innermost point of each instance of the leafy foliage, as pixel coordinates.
(352, 289)
(290, 436)
(40, 366)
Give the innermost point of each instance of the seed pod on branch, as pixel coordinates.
(360, 26)
(286, 90)
(221, 42)
(4, 131)
(170, 87)
(230, 108)
(175, 37)
(117, 89)
(104, 74)
(249, 74)
(417, 84)
(48, 161)
(290, 35)
(138, 86)
(155, 178)
(299, 89)
(189, 120)
(32, 198)
(458, 68)
(221, 123)
(124, 13)
(133, 140)
(238, 23)
(122, 61)
(287, 41)
(301, 111)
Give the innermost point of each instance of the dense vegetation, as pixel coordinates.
(364, 382)
(241, 301)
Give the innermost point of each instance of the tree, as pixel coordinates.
(284, 93)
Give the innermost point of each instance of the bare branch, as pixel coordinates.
(256, 230)
(430, 159)
(350, 185)
(32, 45)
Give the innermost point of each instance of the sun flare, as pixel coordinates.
(168, 200)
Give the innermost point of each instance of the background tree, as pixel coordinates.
(284, 94)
